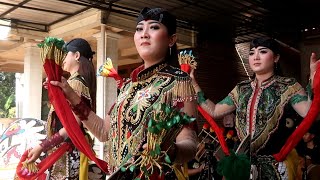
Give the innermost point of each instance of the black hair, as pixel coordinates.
(161, 15)
(314, 129)
(271, 44)
(80, 45)
(267, 42)
(168, 20)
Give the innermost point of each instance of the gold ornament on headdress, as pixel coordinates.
(185, 57)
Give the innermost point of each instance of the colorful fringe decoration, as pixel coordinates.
(187, 61)
(304, 126)
(107, 70)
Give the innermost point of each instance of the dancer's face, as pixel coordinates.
(262, 60)
(71, 62)
(152, 40)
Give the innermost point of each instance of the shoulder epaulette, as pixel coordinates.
(182, 89)
(174, 71)
(286, 80)
(245, 82)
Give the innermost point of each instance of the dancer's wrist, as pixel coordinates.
(81, 109)
(74, 99)
(53, 141)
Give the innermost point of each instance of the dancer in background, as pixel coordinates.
(259, 105)
(73, 164)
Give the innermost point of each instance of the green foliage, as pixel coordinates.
(7, 95)
(49, 41)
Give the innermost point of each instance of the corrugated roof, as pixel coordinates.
(248, 18)
(245, 19)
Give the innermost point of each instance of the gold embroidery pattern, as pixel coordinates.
(162, 84)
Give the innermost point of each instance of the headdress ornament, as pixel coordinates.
(266, 42)
(161, 15)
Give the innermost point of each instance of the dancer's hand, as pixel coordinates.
(314, 62)
(34, 154)
(70, 94)
(202, 167)
(192, 76)
(194, 82)
(45, 83)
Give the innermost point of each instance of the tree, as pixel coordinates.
(7, 95)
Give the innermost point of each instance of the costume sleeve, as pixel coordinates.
(80, 88)
(224, 107)
(232, 98)
(309, 91)
(97, 126)
(299, 94)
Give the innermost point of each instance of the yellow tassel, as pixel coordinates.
(52, 53)
(178, 171)
(32, 167)
(187, 58)
(183, 90)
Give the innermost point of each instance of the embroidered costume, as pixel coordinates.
(160, 83)
(263, 112)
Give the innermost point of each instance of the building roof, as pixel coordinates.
(288, 21)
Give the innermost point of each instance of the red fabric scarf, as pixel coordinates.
(216, 129)
(303, 128)
(63, 111)
(43, 165)
(186, 68)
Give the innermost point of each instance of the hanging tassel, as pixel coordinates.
(234, 167)
(187, 61)
(183, 90)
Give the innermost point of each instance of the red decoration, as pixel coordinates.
(186, 68)
(231, 132)
(128, 134)
(65, 114)
(42, 166)
(205, 126)
(216, 128)
(312, 114)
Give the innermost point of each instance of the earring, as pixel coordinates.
(170, 51)
(77, 60)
